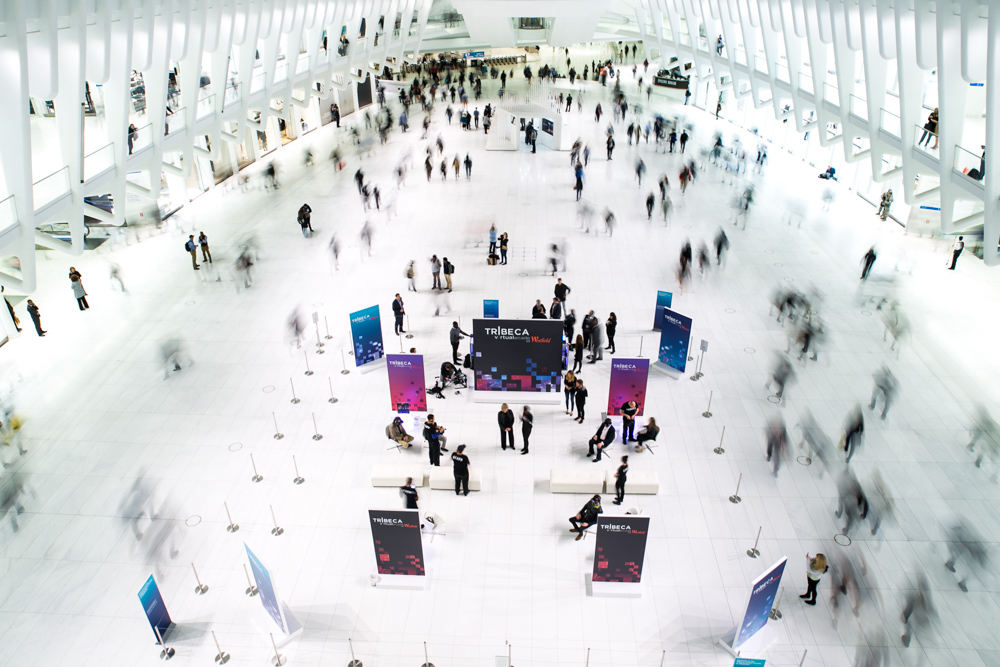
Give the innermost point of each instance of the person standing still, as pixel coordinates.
(192, 248)
(36, 318)
(620, 479)
(448, 269)
(76, 281)
(610, 327)
(569, 390)
(562, 290)
(493, 239)
(398, 311)
(504, 239)
(956, 250)
(816, 567)
(206, 254)
(505, 419)
(461, 471)
(578, 347)
(629, 410)
(581, 399)
(454, 336)
(527, 422)
(436, 272)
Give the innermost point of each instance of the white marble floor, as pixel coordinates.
(99, 413)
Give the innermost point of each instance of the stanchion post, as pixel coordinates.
(408, 334)
(166, 653)
(251, 590)
(775, 614)
(327, 324)
(298, 478)
(232, 527)
(641, 339)
(277, 530)
(400, 343)
(319, 343)
(308, 371)
(221, 657)
(201, 588)
(333, 399)
(752, 551)
(278, 435)
(587, 664)
(427, 662)
(257, 477)
(316, 435)
(719, 449)
(343, 362)
(663, 657)
(278, 660)
(295, 398)
(803, 660)
(708, 411)
(735, 498)
(354, 661)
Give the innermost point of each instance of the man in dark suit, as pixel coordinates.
(605, 436)
(398, 311)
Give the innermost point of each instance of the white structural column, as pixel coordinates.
(50, 50)
(777, 52)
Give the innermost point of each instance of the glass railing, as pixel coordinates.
(281, 71)
(970, 165)
(859, 107)
(760, 64)
(175, 122)
(781, 72)
(741, 56)
(925, 141)
(805, 83)
(232, 96)
(51, 188)
(302, 65)
(98, 162)
(831, 94)
(889, 123)
(8, 213)
(206, 107)
(140, 139)
(257, 82)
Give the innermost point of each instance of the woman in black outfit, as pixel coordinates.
(578, 354)
(620, 481)
(527, 421)
(569, 389)
(610, 327)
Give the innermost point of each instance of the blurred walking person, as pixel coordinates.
(885, 384)
(854, 431)
(777, 442)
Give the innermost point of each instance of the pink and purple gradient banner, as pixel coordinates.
(628, 383)
(407, 388)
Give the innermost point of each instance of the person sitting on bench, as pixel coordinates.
(587, 516)
(397, 433)
(649, 432)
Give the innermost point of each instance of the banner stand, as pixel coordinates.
(669, 371)
(401, 581)
(266, 625)
(755, 645)
(372, 366)
(516, 397)
(608, 589)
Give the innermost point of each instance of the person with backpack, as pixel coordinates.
(192, 248)
(448, 269)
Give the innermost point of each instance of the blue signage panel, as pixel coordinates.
(266, 589)
(474, 54)
(663, 300)
(675, 337)
(152, 604)
(748, 662)
(366, 336)
(763, 591)
(491, 308)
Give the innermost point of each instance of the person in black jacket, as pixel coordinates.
(505, 419)
(305, 217)
(620, 481)
(569, 324)
(409, 493)
(36, 318)
(461, 470)
(562, 290)
(628, 410)
(605, 436)
(538, 311)
(527, 421)
(398, 311)
(436, 440)
(586, 517)
(610, 327)
(587, 328)
(581, 399)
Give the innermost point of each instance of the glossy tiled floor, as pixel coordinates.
(99, 413)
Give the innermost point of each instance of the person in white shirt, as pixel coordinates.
(956, 250)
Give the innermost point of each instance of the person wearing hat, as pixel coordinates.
(587, 516)
(461, 463)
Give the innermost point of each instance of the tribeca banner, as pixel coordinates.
(265, 586)
(763, 590)
(518, 355)
(675, 337)
(152, 604)
(620, 548)
(407, 389)
(398, 547)
(628, 383)
(366, 336)
(663, 300)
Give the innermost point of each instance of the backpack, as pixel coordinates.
(467, 362)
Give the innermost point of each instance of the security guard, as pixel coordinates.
(620, 481)
(461, 469)
(629, 410)
(587, 516)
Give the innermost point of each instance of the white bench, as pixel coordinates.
(643, 482)
(442, 478)
(390, 474)
(576, 481)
